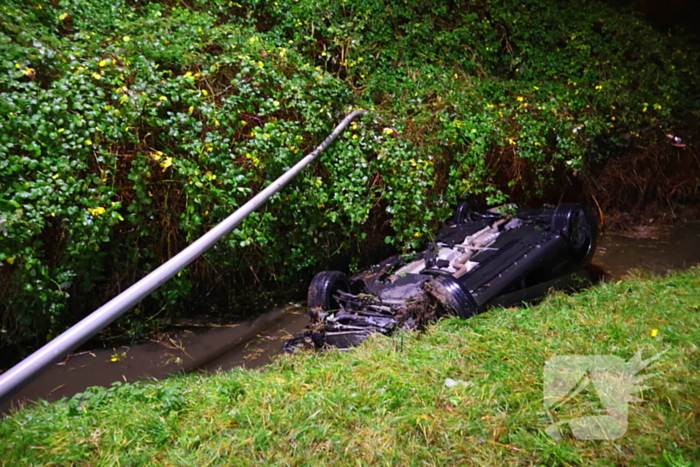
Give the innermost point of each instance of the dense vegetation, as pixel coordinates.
(467, 392)
(127, 128)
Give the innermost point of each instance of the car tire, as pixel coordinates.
(452, 297)
(578, 229)
(323, 287)
(462, 212)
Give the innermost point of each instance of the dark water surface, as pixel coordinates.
(249, 344)
(655, 249)
(252, 343)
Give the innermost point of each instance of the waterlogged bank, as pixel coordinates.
(465, 392)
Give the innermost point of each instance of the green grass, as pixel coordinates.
(386, 402)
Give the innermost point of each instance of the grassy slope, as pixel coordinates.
(387, 402)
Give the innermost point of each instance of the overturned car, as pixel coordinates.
(480, 258)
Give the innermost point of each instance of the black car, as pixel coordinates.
(498, 257)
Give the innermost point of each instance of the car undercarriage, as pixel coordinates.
(481, 258)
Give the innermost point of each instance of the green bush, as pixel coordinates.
(127, 129)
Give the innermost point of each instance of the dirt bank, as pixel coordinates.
(650, 182)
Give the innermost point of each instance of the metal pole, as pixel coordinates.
(21, 374)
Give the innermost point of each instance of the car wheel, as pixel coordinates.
(452, 297)
(578, 230)
(323, 287)
(462, 212)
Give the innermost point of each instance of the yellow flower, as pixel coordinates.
(88, 142)
(102, 63)
(599, 87)
(62, 16)
(96, 211)
(520, 98)
(162, 98)
(126, 38)
(654, 332)
(166, 162)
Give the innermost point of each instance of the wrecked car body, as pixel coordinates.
(480, 258)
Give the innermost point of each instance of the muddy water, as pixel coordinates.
(252, 343)
(655, 249)
(249, 344)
